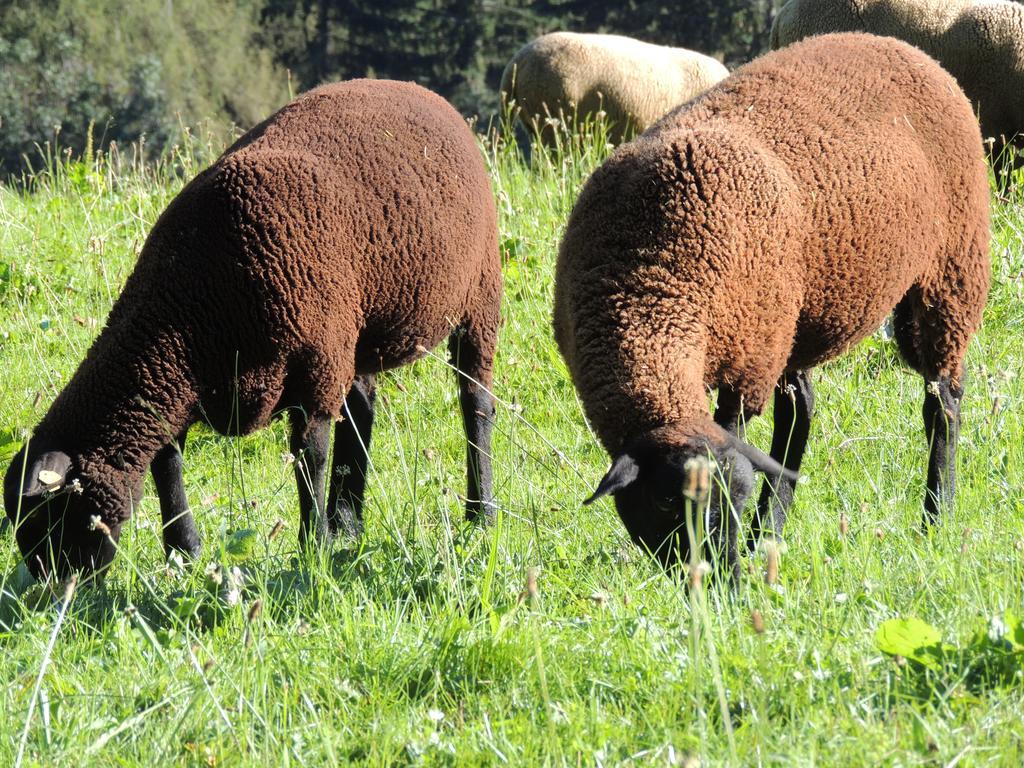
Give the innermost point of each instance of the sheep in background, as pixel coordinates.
(980, 43)
(339, 238)
(751, 235)
(571, 76)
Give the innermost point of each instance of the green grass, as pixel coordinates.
(425, 646)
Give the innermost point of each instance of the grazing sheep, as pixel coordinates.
(569, 75)
(343, 236)
(980, 42)
(752, 234)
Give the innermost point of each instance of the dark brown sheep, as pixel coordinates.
(343, 236)
(764, 228)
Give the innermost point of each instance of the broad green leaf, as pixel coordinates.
(911, 638)
(1014, 630)
(241, 545)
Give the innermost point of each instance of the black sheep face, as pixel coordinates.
(56, 518)
(662, 489)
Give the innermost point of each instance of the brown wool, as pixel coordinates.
(344, 235)
(770, 225)
(980, 42)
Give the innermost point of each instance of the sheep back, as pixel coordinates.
(980, 42)
(770, 225)
(569, 75)
(349, 231)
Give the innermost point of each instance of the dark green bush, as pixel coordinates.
(128, 71)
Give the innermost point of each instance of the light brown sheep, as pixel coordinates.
(753, 234)
(980, 42)
(571, 76)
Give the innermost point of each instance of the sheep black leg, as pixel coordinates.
(794, 408)
(723, 517)
(729, 412)
(351, 458)
(309, 441)
(1006, 157)
(942, 427)
(478, 411)
(179, 527)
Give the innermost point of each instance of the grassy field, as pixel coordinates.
(547, 639)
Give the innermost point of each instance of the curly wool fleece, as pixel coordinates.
(756, 232)
(979, 42)
(572, 75)
(343, 236)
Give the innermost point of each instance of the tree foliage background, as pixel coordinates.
(143, 69)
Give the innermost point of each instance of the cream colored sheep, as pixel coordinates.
(569, 75)
(980, 42)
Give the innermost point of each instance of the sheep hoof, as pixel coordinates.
(188, 551)
(346, 523)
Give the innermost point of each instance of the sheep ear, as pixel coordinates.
(622, 473)
(761, 461)
(47, 472)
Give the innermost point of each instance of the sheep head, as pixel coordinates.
(57, 515)
(679, 484)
